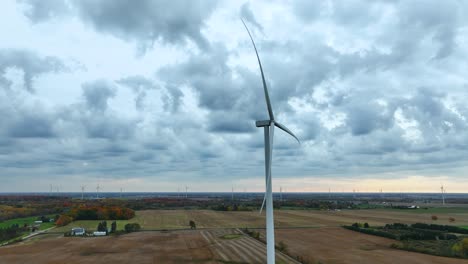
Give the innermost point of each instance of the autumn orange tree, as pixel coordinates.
(63, 220)
(101, 213)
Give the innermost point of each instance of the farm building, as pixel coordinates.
(78, 231)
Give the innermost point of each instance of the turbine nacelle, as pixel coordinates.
(267, 123)
(263, 123)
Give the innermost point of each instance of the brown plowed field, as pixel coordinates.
(335, 245)
(204, 246)
(142, 247)
(176, 219)
(243, 249)
(326, 242)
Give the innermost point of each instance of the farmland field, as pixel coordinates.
(207, 246)
(337, 245)
(311, 234)
(177, 219)
(326, 244)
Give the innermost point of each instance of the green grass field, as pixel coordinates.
(25, 220)
(91, 225)
(178, 219)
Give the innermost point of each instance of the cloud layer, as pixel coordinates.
(369, 88)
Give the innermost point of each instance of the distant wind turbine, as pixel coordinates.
(186, 194)
(442, 189)
(82, 191)
(268, 126)
(97, 191)
(281, 194)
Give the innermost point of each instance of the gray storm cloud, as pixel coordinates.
(369, 88)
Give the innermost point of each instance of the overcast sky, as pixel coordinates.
(156, 95)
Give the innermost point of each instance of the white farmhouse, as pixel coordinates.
(78, 231)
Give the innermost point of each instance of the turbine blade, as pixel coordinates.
(263, 203)
(267, 181)
(285, 129)
(265, 89)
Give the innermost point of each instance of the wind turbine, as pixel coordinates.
(442, 189)
(232, 193)
(82, 191)
(186, 194)
(281, 194)
(268, 127)
(97, 191)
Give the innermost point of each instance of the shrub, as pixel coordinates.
(434, 217)
(396, 226)
(102, 226)
(372, 232)
(451, 219)
(132, 227)
(282, 246)
(192, 224)
(446, 228)
(366, 225)
(44, 219)
(461, 248)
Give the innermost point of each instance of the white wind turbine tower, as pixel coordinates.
(97, 191)
(281, 194)
(186, 194)
(442, 189)
(268, 126)
(232, 193)
(82, 191)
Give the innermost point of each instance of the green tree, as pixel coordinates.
(102, 226)
(113, 227)
(192, 224)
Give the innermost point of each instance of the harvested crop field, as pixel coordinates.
(200, 246)
(154, 219)
(335, 245)
(241, 249)
(176, 219)
(322, 241)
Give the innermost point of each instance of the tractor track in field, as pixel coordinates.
(241, 249)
